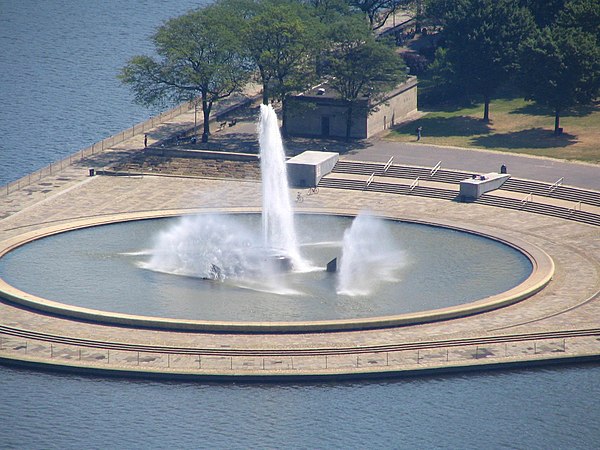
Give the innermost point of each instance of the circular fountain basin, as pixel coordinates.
(103, 269)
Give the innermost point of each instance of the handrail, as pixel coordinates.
(435, 169)
(96, 147)
(99, 147)
(528, 198)
(370, 180)
(556, 184)
(577, 207)
(388, 164)
(414, 184)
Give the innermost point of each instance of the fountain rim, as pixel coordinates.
(542, 272)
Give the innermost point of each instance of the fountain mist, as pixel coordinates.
(369, 257)
(220, 247)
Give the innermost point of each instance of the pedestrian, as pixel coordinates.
(419, 129)
(145, 140)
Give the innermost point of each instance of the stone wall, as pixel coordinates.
(326, 115)
(394, 108)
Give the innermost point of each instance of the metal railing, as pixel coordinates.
(97, 147)
(16, 348)
(435, 169)
(414, 184)
(388, 164)
(528, 198)
(556, 184)
(370, 180)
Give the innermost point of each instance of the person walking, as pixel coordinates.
(419, 129)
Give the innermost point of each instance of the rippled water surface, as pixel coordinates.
(58, 93)
(58, 65)
(436, 268)
(529, 409)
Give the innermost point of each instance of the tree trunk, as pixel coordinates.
(265, 84)
(283, 117)
(349, 122)
(486, 109)
(206, 107)
(557, 122)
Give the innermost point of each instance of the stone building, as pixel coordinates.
(320, 112)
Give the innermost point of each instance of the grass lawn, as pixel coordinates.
(516, 126)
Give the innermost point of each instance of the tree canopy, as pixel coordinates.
(482, 42)
(198, 55)
(377, 11)
(560, 68)
(281, 39)
(360, 66)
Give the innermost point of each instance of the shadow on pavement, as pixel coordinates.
(450, 126)
(531, 138)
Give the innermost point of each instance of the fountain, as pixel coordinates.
(224, 248)
(366, 261)
(277, 215)
(219, 248)
(263, 268)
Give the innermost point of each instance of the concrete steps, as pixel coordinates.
(566, 193)
(353, 175)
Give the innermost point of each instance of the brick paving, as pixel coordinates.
(570, 302)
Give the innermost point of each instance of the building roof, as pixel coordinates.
(324, 92)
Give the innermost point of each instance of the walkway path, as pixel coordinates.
(539, 329)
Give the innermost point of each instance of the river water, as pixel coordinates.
(58, 93)
(59, 60)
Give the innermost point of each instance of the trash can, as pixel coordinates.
(92, 172)
(503, 168)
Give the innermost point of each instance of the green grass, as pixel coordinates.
(516, 126)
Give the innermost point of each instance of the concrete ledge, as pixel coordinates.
(307, 168)
(296, 375)
(201, 154)
(473, 188)
(543, 270)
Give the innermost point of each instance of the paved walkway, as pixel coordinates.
(538, 329)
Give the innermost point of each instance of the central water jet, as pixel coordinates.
(279, 233)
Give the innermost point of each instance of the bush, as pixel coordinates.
(416, 63)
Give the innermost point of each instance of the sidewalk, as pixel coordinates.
(570, 302)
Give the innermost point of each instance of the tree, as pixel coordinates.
(437, 11)
(482, 39)
(281, 38)
(198, 55)
(560, 68)
(328, 11)
(544, 12)
(582, 14)
(361, 67)
(378, 11)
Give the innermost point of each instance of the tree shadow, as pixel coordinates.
(446, 126)
(247, 113)
(533, 138)
(296, 145)
(536, 109)
(445, 107)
